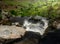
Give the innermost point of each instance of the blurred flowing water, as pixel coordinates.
(38, 24)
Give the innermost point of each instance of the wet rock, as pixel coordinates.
(56, 23)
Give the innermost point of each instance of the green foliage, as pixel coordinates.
(13, 12)
(45, 8)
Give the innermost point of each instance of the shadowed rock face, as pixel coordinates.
(51, 38)
(28, 38)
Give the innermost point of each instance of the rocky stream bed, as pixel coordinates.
(17, 34)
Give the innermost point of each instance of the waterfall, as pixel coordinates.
(40, 25)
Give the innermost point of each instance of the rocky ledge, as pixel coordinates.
(11, 32)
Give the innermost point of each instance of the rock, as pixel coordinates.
(56, 23)
(29, 38)
(51, 38)
(18, 20)
(11, 32)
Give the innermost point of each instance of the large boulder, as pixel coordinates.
(11, 32)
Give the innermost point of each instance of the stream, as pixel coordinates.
(33, 30)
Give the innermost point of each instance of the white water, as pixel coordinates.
(37, 27)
